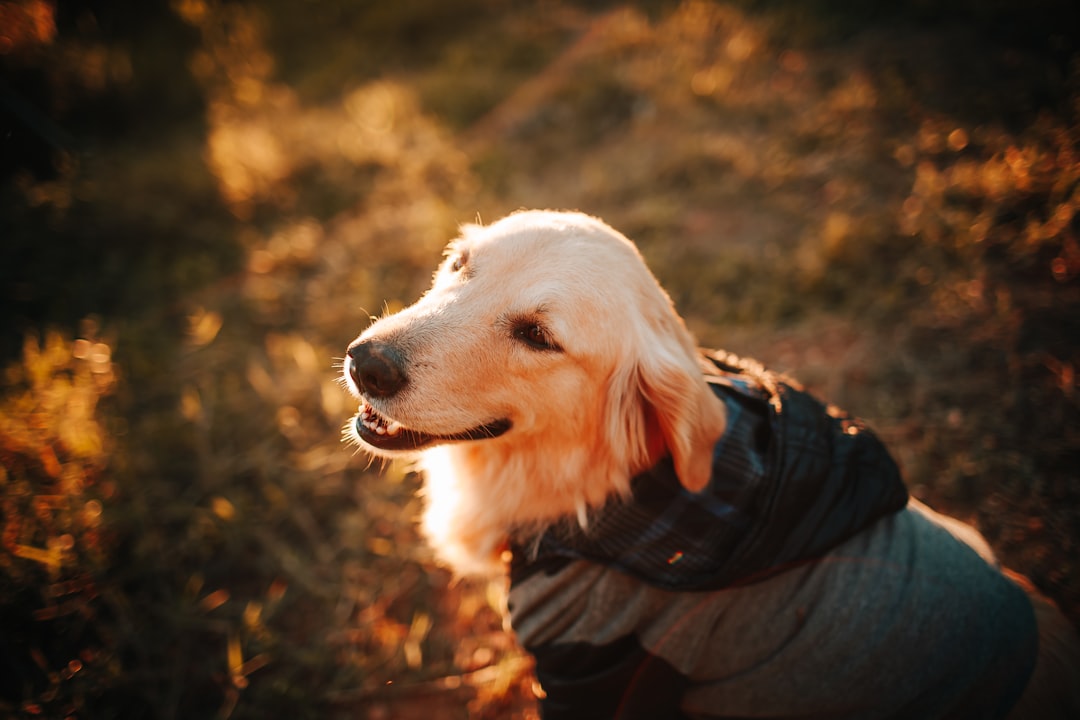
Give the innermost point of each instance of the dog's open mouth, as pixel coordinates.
(386, 434)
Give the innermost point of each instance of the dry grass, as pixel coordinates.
(885, 207)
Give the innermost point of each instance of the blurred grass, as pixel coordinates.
(206, 200)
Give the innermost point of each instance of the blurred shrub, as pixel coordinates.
(54, 548)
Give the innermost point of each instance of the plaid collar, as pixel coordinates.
(664, 534)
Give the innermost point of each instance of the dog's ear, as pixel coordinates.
(661, 404)
(689, 416)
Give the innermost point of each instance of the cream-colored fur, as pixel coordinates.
(620, 386)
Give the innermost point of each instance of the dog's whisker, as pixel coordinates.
(370, 318)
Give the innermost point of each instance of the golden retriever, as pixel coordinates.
(515, 345)
(545, 370)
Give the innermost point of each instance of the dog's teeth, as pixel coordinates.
(376, 423)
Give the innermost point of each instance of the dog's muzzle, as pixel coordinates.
(377, 372)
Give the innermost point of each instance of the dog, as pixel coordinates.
(686, 533)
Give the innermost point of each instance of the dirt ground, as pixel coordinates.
(882, 203)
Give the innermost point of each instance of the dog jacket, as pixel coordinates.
(791, 479)
(747, 595)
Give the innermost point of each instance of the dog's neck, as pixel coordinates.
(478, 494)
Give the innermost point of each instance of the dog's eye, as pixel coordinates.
(459, 261)
(535, 336)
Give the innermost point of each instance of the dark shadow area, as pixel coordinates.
(89, 229)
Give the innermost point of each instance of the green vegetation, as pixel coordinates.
(202, 203)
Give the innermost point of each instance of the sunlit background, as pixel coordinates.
(203, 202)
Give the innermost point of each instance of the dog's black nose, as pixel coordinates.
(377, 369)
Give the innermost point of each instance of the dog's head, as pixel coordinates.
(542, 333)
